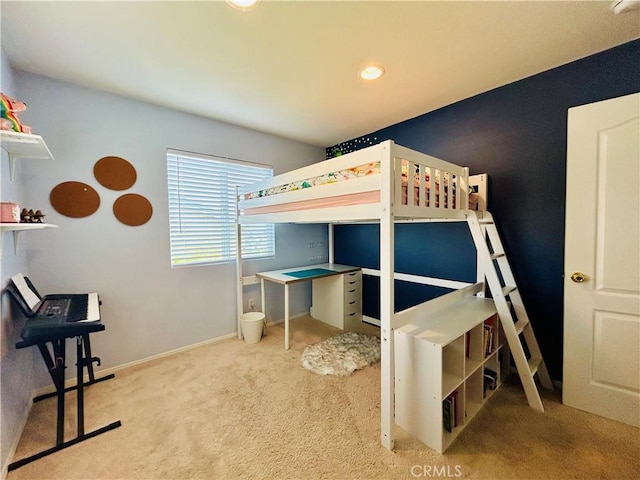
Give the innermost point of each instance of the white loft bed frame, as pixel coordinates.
(387, 210)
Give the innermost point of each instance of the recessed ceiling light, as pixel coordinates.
(243, 5)
(372, 72)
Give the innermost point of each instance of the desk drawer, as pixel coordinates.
(352, 294)
(352, 277)
(354, 306)
(353, 321)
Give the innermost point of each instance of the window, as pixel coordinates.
(202, 209)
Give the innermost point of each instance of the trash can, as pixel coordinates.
(251, 324)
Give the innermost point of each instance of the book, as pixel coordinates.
(490, 380)
(454, 406)
(447, 414)
(488, 339)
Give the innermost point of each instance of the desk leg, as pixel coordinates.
(286, 316)
(264, 305)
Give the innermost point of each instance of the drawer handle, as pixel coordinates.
(351, 291)
(351, 303)
(352, 314)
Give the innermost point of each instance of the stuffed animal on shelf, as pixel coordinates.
(9, 114)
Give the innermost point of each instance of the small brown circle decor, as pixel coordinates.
(74, 199)
(132, 209)
(115, 173)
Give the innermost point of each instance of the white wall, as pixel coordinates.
(16, 366)
(148, 308)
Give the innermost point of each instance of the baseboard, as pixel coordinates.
(71, 382)
(291, 317)
(372, 321)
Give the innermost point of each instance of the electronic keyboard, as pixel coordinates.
(83, 307)
(51, 320)
(56, 315)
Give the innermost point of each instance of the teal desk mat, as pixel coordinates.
(312, 272)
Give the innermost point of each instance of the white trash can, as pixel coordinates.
(252, 324)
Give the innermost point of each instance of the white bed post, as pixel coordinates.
(387, 386)
(463, 186)
(239, 285)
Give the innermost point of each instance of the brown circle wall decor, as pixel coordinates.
(132, 209)
(115, 173)
(74, 199)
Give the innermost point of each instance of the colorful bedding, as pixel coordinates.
(362, 171)
(332, 177)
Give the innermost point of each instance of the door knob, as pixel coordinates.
(578, 277)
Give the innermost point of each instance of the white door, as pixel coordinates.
(601, 371)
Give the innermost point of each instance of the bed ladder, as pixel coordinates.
(494, 266)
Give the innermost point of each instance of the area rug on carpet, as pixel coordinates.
(341, 354)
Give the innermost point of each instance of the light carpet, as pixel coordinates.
(235, 411)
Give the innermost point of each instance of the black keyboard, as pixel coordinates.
(67, 308)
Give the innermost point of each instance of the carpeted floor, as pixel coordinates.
(235, 411)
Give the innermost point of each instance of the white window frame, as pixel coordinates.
(202, 209)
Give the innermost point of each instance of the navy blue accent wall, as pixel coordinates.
(406, 295)
(418, 251)
(516, 134)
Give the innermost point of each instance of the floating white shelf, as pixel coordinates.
(16, 228)
(23, 145)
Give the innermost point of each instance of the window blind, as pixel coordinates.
(202, 209)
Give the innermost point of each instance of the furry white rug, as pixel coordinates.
(341, 354)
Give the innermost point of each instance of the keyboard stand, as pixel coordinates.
(56, 370)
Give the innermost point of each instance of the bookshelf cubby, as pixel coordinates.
(445, 370)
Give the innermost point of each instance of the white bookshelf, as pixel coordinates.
(438, 356)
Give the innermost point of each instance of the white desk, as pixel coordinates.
(288, 276)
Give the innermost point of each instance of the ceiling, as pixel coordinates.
(290, 68)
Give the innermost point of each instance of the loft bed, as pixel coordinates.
(384, 183)
(362, 186)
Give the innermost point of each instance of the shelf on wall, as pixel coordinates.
(17, 228)
(23, 145)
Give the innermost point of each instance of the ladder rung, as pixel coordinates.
(534, 363)
(520, 325)
(497, 255)
(506, 290)
(485, 221)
